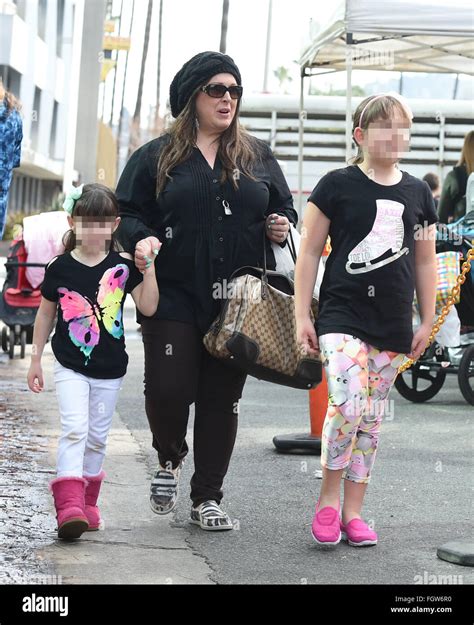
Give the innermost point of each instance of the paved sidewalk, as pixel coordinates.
(23, 486)
(136, 547)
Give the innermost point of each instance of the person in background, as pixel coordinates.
(470, 193)
(11, 135)
(452, 203)
(432, 180)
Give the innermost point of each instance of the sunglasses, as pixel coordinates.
(216, 90)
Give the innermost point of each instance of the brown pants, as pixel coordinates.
(178, 372)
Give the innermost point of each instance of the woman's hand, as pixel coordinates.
(420, 340)
(306, 336)
(145, 252)
(277, 227)
(35, 377)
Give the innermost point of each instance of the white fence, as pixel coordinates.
(436, 139)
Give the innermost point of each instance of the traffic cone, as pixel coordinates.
(318, 405)
(309, 443)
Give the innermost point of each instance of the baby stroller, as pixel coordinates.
(19, 301)
(425, 378)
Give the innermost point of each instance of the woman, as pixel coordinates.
(11, 135)
(208, 191)
(452, 203)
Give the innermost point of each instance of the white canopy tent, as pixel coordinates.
(396, 35)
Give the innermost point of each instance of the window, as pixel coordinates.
(20, 8)
(42, 19)
(52, 137)
(11, 79)
(60, 28)
(35, 116)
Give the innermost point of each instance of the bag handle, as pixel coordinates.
(291, 246)
(263, 278)
(289, 241)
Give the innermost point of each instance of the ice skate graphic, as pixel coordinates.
(386, 234)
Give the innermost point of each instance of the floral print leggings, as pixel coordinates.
(359, 378)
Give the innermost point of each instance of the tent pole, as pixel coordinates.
(348, 96)
(442, 129)
(300, 150)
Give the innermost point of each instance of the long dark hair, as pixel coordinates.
(96, 200)
(238, 150)
(467, 154)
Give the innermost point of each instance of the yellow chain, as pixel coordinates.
(465, 267)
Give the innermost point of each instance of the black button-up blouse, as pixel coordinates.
(208, 230)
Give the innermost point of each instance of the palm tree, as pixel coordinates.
(268, 46)
(158, 71)
(283, 75)
(225, 17)
(119, 130)
(135, 128)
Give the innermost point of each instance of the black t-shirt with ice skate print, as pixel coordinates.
(89, 336)
(369, 279)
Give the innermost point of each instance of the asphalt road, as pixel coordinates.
(420, 496)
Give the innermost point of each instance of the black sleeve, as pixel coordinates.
(428, 215)
(136, 193)
(446, 200)
(281, 200)
(134, 277)
(323, 196)
(49, 287)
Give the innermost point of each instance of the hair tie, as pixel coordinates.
(72, 195)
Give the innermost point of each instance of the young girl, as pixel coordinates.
(86, 286)
(380, 220)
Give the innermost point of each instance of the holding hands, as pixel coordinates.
(145, 252)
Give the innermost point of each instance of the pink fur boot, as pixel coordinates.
(92, 494)
(68, 493)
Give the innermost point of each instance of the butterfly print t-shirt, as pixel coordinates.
(89, 336)
(369, 278)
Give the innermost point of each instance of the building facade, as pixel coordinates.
(50, 60)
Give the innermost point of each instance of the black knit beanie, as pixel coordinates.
(194, 74)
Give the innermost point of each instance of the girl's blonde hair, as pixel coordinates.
(467, 153)
(378, 107)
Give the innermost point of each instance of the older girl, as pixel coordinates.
(380, 221)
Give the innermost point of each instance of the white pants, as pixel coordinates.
(86, 406)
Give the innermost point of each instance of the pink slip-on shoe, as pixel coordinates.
(358, 533)
(326, 525)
